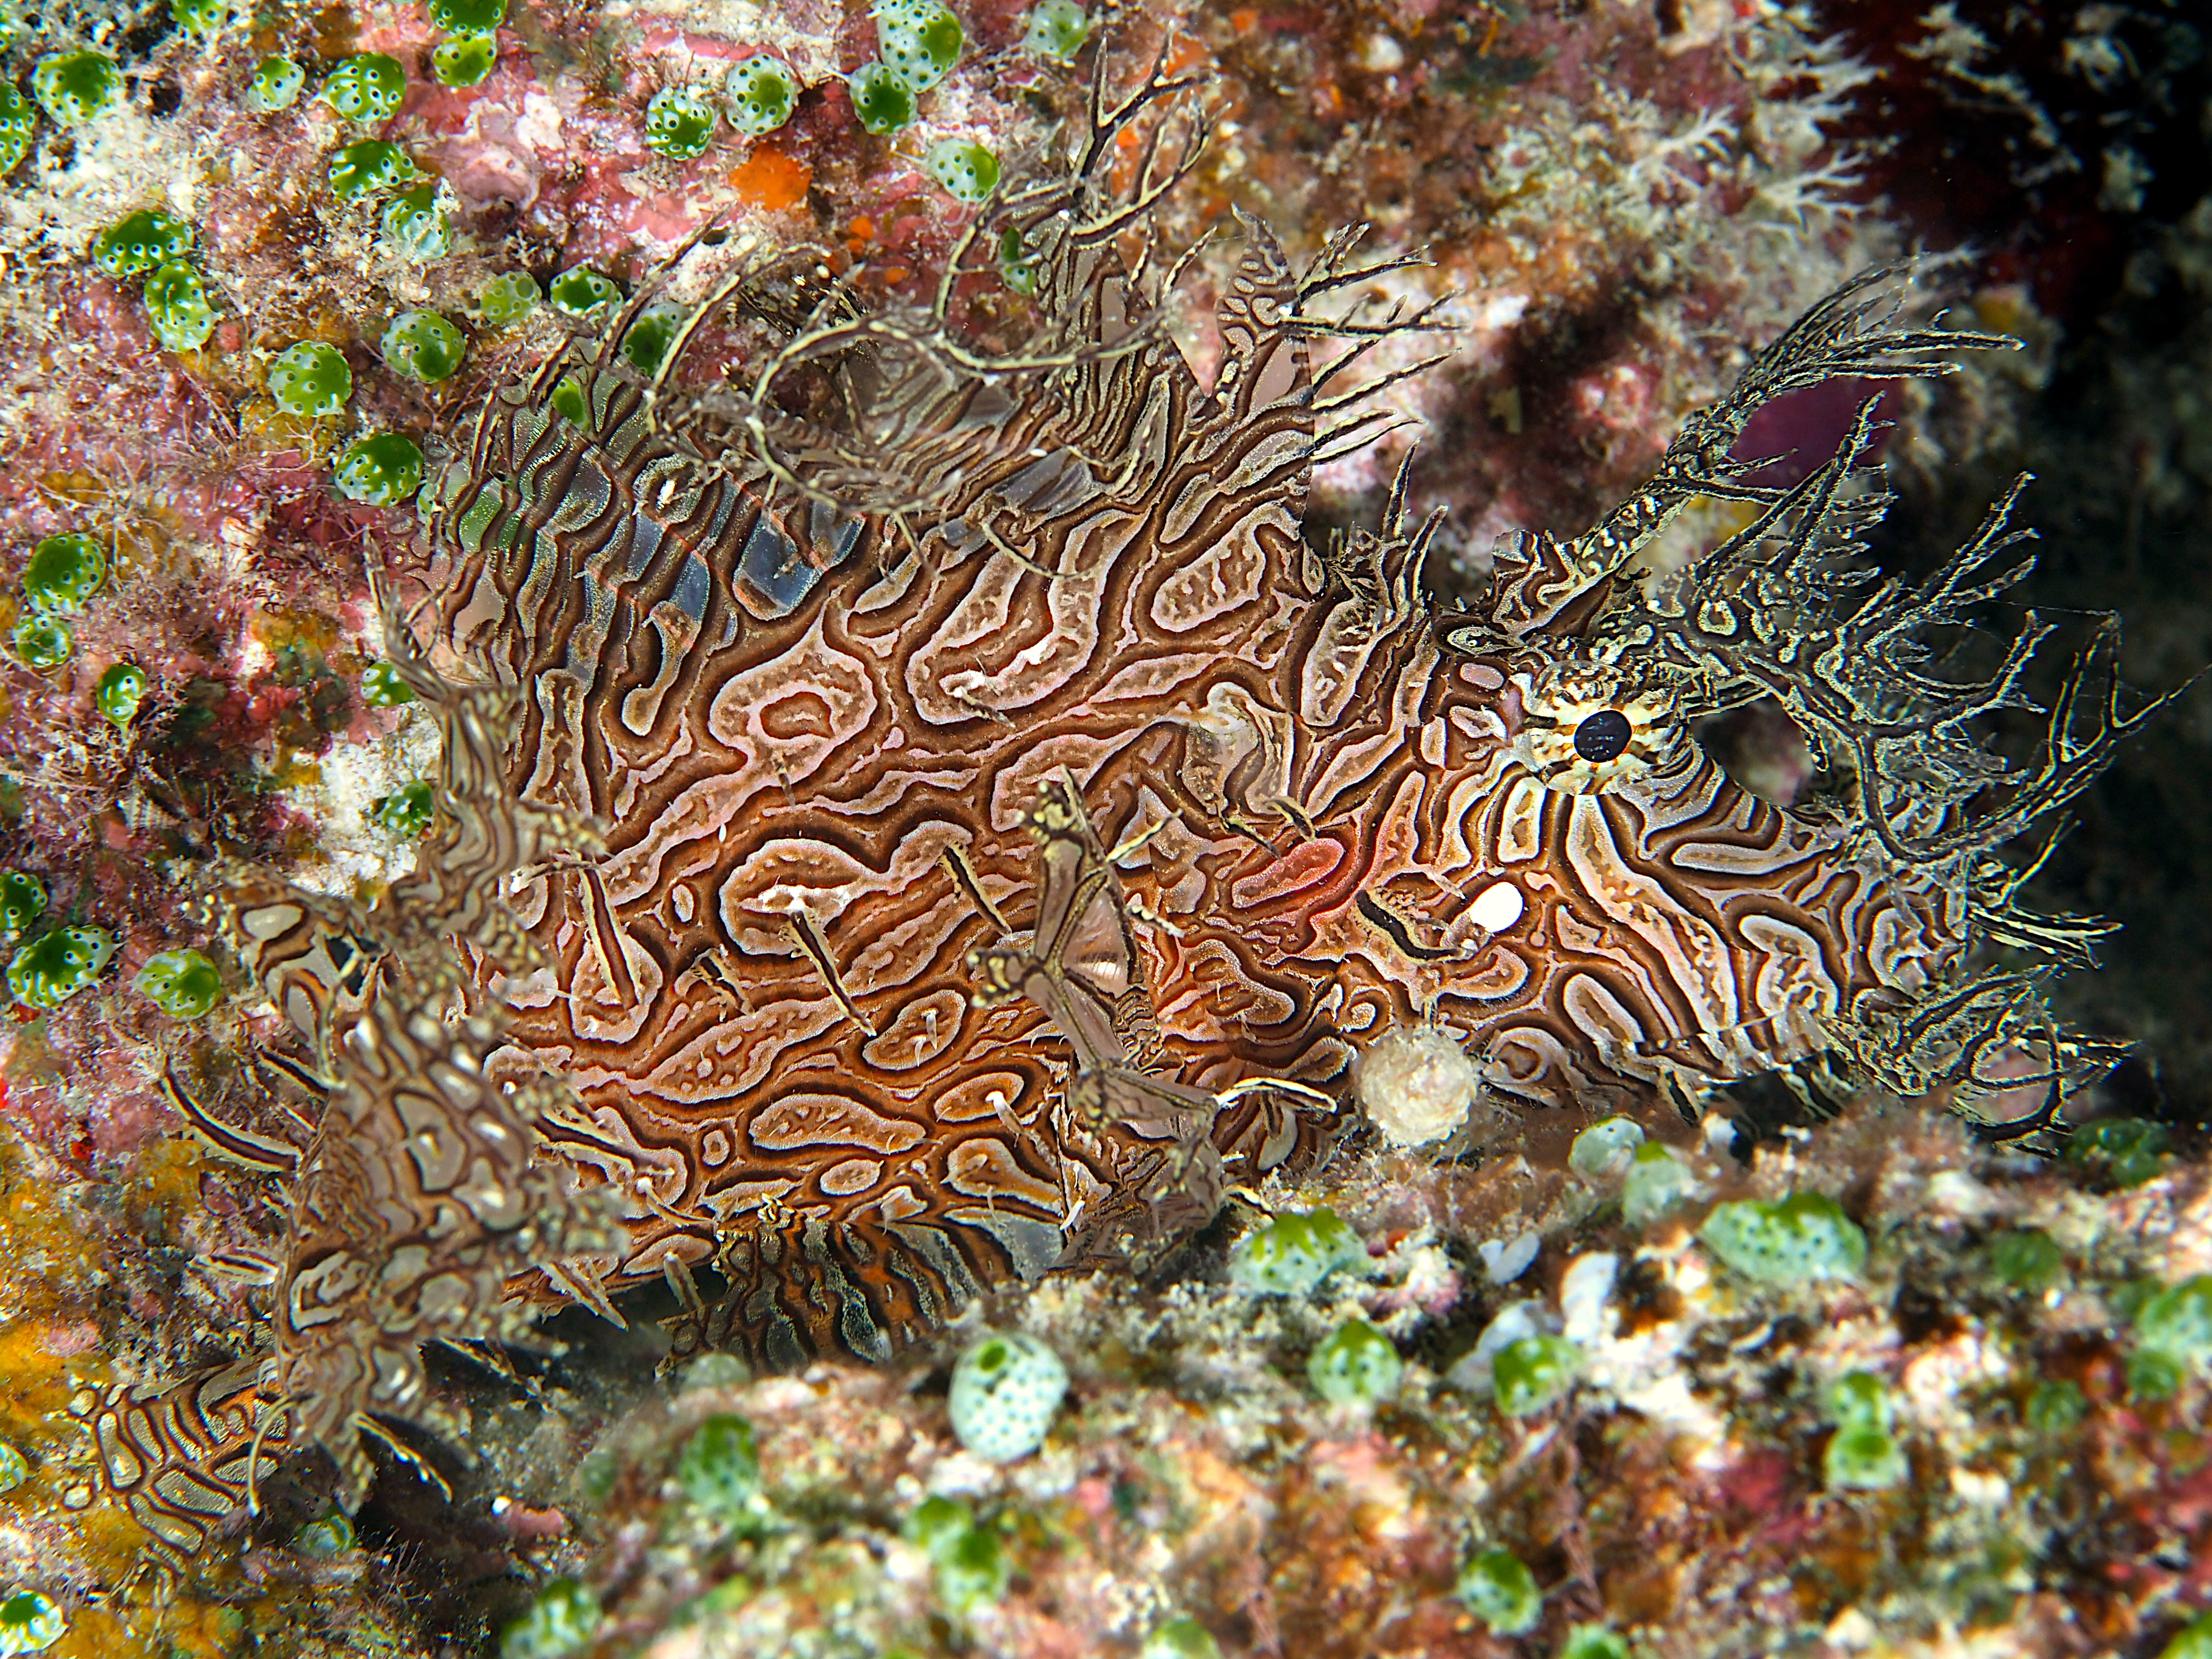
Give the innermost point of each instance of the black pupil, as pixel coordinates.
(1603, 737)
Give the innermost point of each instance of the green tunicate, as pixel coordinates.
(77, 87)
(2128, 1150)
(423, 346)
(1180, 1639)
(758, 95)
(1593, 1641)
(580, 292)
(966, 170)
(367, 87)
(467, 16)
(17, 128)
(64, 572)
(383, 469)
(1294, 1253)
(1791, 1241)
(1864, 1460)
(677, 125)
(1862, 1453)
(43, 640)
(936, 1521)
(564, 1617)
(30, 1622)
(2055, 1407)
(1498, 1589)
(464, 60)
(382, 688)
(1656, 1182)
(370, 168)
(883, 101)
(720, 1469)
(1857, 1399)
(200, 16)
(1056, 29)
(416, 227)
(22, 900)
(275, 85)
(138, 241)
(568, 399)
(919, 40)
(14, 1471)
(972, 1572)
(2192, 1641)
(58, 964)
(1016, 269)
(177, 307)
(650, 337)
(1356, 1365)
(1606, 1149)
(1007, 1389)
(326, 1539)
(1531, 1373)
(118, 693)
(405, 812)
(2173, 1338)
(507, 298)
(310, 378)
(2025, 1258)
(182, 983)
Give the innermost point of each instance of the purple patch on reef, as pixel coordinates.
(1800, 430)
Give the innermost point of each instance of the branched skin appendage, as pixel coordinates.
(409, 1181)
(1785, 608)
(1014, 825)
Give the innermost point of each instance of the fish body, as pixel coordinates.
(829, 737)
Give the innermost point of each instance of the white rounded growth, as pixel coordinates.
(1417, 1086)
(1497, 906)
(1005, 1391)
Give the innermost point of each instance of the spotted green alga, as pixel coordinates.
(580, 292)
(366, 87)
(177, 307)
(405, 812)
(48, 970)
(22, 900)
(416, 227)
(138, 241)
(467, 16)
(464, 60)
(310, 378)
(119, 692)
(382, 469)
(183, 984)
(43, 640)
(369, 168)
(883, 102)
(63, 571)
(507, 298)
(74, 87)
(17, 127)
(275, 85)
(423, 346)
(758, 95)
(679, 125)
(966, 170)
(382, 688)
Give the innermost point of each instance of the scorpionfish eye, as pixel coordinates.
(1584, 729)
(1603, 736)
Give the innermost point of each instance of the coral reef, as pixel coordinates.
(1498, 1356)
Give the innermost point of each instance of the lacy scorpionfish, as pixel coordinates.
(1014, 826)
